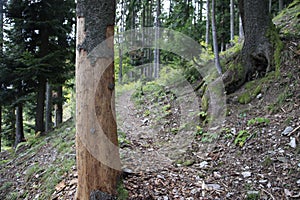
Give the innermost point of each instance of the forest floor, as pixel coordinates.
(263, 163)
(252, 153)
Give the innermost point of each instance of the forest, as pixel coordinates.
(149, 99)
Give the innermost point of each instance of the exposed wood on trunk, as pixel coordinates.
(48, 124)
(98, 159)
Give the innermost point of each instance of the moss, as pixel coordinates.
(122, 192)
(273, 35)
(244, 98)
(188, 163)
(204, 102)
(256, 91)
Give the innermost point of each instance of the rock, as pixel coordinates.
(246, 174)
(194, 191)
(287, 130)
(298, 182)
(263, 181)
(217, 175)
(203, 164)
(259, 96)
(292, 142)
(213, 186)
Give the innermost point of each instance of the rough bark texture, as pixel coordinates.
(59, 106)
(215, 41)
(207, 22)
(19, 125)
(257, 53)
(231, 19)
(48, 125)
(98, 161)
(40, 108)
(257, 50)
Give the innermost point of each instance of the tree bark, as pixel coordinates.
(280, 5)
(41, 93)
(0, 125)
(156, 50)
(258, 49)
(98, 161)
(59, 106)
(40, 108)
(1, 52)
(231, 20)
(19, 125)
(215, 41)
(257, 52)
(48, 124)
(207, 21)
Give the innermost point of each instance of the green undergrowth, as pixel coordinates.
(43, 162)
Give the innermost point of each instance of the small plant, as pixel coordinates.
(167, 107)
(122, 192)
(253, 196)
(199, 131)
(146, 113)
(258, 121)
(122, 138)
(241, 138)
(209, 137)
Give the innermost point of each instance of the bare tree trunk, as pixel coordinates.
(98, 161)
(241, 31)
(207, 22)
(1, 52)
(59, 106)
(215, 41)
(231, 20)
(0, 125)
(280, 5)
(156, 50)
(48, 124)
(270, 6)
(40, 109)
(19, 125)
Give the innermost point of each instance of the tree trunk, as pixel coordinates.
(258, 49)
(241, 30)
(1, 52)
(207, 21)
(98, 161)
(270, 6)
(48, 124)
(41, 93)
(156, 50)
(280, 5)
(19, 125)
(40, 107)
(231, 20)
(215, 41)
(0, 125)
(59, 106)
(257, 52)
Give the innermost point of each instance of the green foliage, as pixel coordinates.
(209, 137)
(241, 138)
(258, 121)
(199, 131)
(244, 98)
(253, 196)
(122, 138)
(122, 192)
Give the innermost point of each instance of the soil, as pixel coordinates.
(265, 165)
